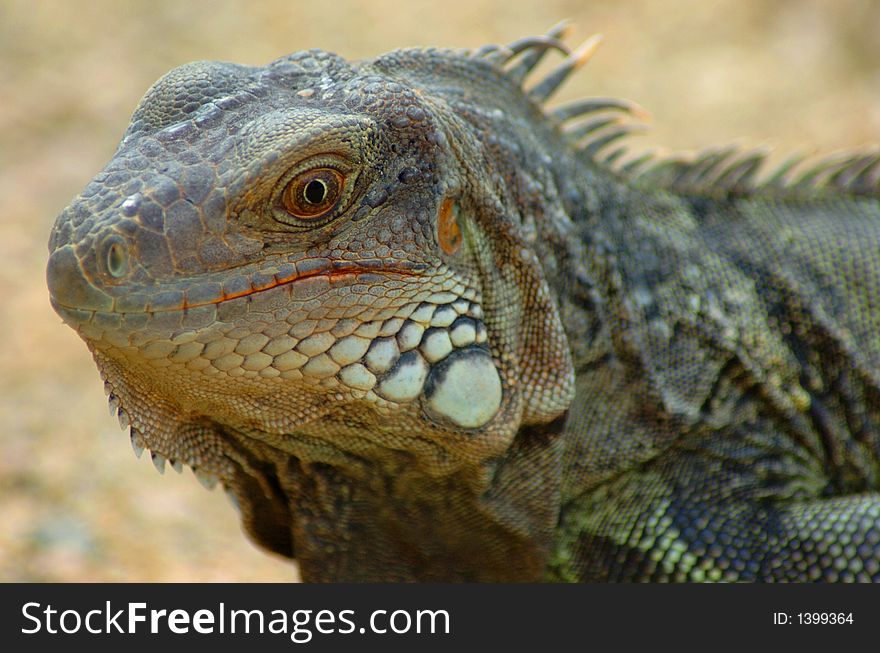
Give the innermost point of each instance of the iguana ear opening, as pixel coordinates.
(448, 228)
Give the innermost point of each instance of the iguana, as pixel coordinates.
(421, 326)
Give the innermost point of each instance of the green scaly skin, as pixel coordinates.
(495, 354)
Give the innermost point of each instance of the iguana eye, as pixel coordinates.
(313, 193)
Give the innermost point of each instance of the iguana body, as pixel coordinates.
(420, 332)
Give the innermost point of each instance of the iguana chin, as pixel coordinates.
(422, 327)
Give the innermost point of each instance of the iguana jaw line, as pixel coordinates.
(182, 296)
(287, 274)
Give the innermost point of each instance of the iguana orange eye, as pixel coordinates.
(313, 193)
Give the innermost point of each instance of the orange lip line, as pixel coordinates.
(334, 270)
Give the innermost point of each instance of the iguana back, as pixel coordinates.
(422, 327)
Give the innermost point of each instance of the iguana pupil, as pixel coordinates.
(315, 191)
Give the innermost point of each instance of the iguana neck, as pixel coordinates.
(343, 516)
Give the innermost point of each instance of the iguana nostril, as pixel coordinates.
(115, 253)
(69, 287)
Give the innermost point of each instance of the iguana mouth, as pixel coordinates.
(309, 269)
(71, 289)
(285, 274)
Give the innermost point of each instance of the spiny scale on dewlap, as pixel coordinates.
(421, 326)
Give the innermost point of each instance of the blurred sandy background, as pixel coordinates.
(75, 504)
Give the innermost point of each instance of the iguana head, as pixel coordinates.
(330, 258)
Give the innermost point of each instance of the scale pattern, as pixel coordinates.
(422, 326)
